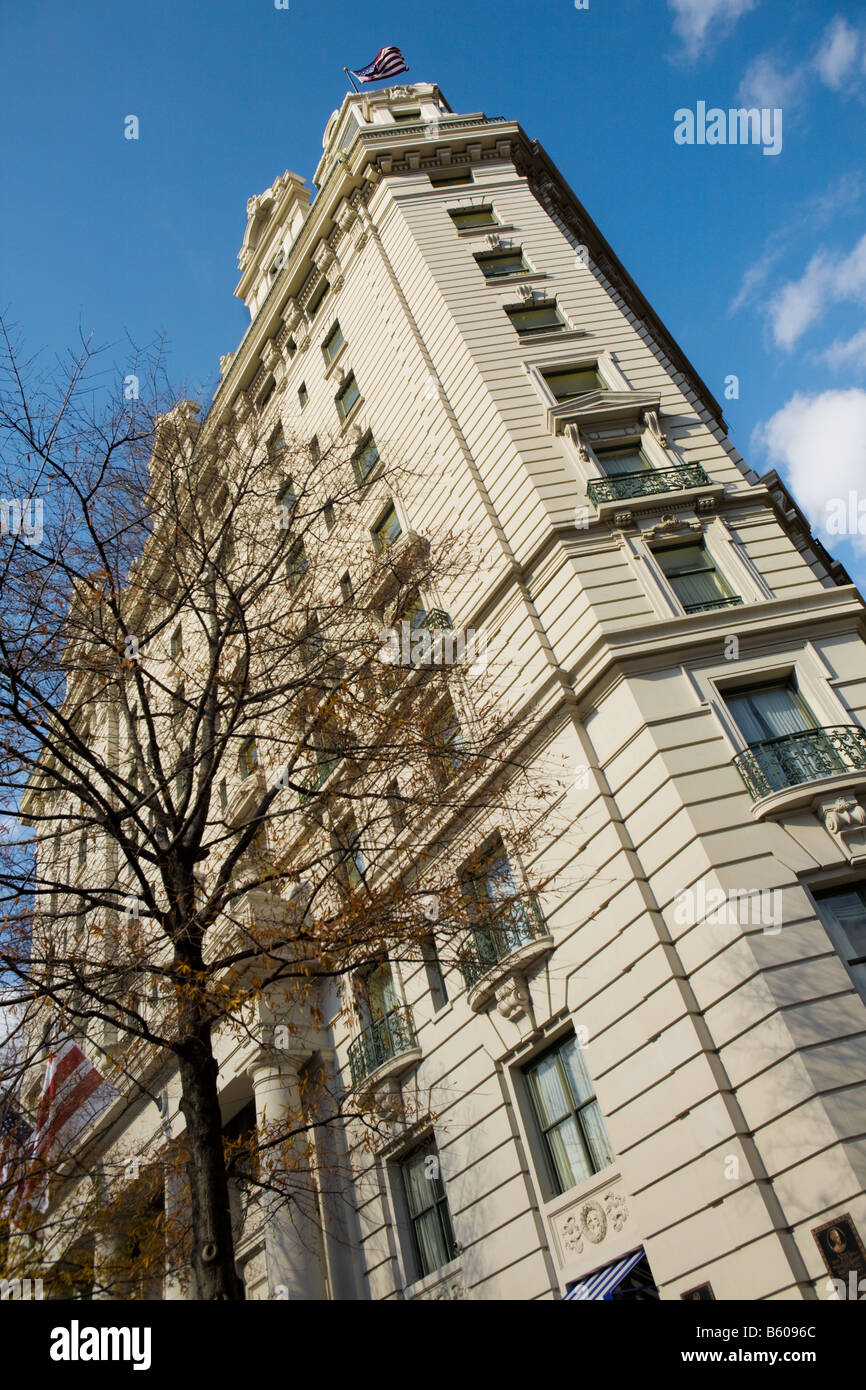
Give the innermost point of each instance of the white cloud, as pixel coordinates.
(838, 52)
(767, 84)
(849, 352)
(827, 279)
(695, 21)
(819, 442)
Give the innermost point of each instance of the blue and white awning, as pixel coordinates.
(602, 1284)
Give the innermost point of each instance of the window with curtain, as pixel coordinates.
(629, 459)
(772, 711)
(427, 1209)
(570, 1123)
(693, 576)
(843, 912)
(377, 995)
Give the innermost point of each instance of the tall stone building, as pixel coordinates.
(655, 1085)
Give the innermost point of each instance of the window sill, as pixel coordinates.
(443, 1284)
(531, 277)
(488, 229)
(349, 417)
(546, 337)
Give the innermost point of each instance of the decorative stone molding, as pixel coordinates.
(671, 525)
(623, 519)
(845, 819)
(591, 1222)
(225, 362)
(323, 255)
(653, 424)
(707, 504)
(512, 998)
(600, 408)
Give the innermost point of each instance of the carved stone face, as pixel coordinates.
(594, 1223)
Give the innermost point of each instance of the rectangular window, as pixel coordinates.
(297, 565)
(177, 643)
(303, 394)
(353, 862)
(772, 711)
(277, 443)
(447, 178)
(574, 381)
(537, 318)
(366, 459)
(449, 743)
(570, 1123)
(464, 218)
(435, 977)
(332, 344)
(405, 117)
(427, 1207)
(396, 807)
(248, 758)
(223, 796)
(694, 578)
(346, 590)
(347, 397)
(330, 515)
(629, 459)
(843, 912)
(291, 348)
(315, 300)
(498, 263)
(387, 529)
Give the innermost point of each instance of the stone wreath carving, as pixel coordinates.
(591, 1220)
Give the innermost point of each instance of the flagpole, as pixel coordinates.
(352, 80)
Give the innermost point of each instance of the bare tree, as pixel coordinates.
(238, 758)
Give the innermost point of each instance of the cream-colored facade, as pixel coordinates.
(657, 607)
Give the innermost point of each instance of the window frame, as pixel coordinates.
(474, 210)
(483, 258)
(378, 526)
(344, 411)
(419, 1154)
(512, 311)
(331, 356)
(551, 1176)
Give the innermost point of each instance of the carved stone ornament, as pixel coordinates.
(707, 504)
(512, 998)
(671, 525)
(571, 1237)
(526, 292)
(494, 241)
(845, 819)
(623, 519)
(617, 1210)
(574, 434)
(654, 425)
(593, 1222)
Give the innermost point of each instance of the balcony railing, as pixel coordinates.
(516, 924)
(648, 481)
(806, 756)
(436, 620)
(733, 602)
(387, 1038)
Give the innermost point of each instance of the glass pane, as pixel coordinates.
(579, 1079)
(512, 263)
(431, 1242)
(769, 713)
(618, 461)
(595, 1132)
(567, 1151)
(348, 396)
(367, 459)
(418, 1187)
(701, 587)
(381, 992)
(536, 319)
(473, 217)
(574, 383)
(548, 1091)
(389, 529)
(848, 911)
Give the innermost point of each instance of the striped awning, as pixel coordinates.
(602, 1284)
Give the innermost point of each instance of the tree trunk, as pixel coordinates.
(213, 1255)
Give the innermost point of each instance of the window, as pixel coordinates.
(481, 216)
(315, 449)
(82, 849)
(366, 459)
(332, 344)
(346, 589)
(427, 1208)
(496, 263)
(497, 901)
(178, 705)
(347, 397)
(353, 864)
(449, 743)
(628, 459)
(291, 348)
(694, 578)
(248, 758)
(311, 644)
(315, 300)
(446, 178)
(223, 793)
(768, 712)
(843, 912)
(297, 565)
(286, 495)
(396, 806)
(570, 1123)
(435, 977)
(387, 529)
(537, 318)
(330, 515)
(303, 394)
(177, 643)
(574, 381)
(266, 392)
(405, 116)
(277, 443)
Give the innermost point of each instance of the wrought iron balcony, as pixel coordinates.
(386, 1039)
(806, 756)
(516, 924)
(733, 602)
(437, 620)
(619, 486)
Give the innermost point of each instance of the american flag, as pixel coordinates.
(74, 1094)
(387, 63)
(15, 1135)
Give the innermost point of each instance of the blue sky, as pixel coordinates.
(756, 263)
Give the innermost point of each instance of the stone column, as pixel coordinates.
(110, 1266)
(293, 1238)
